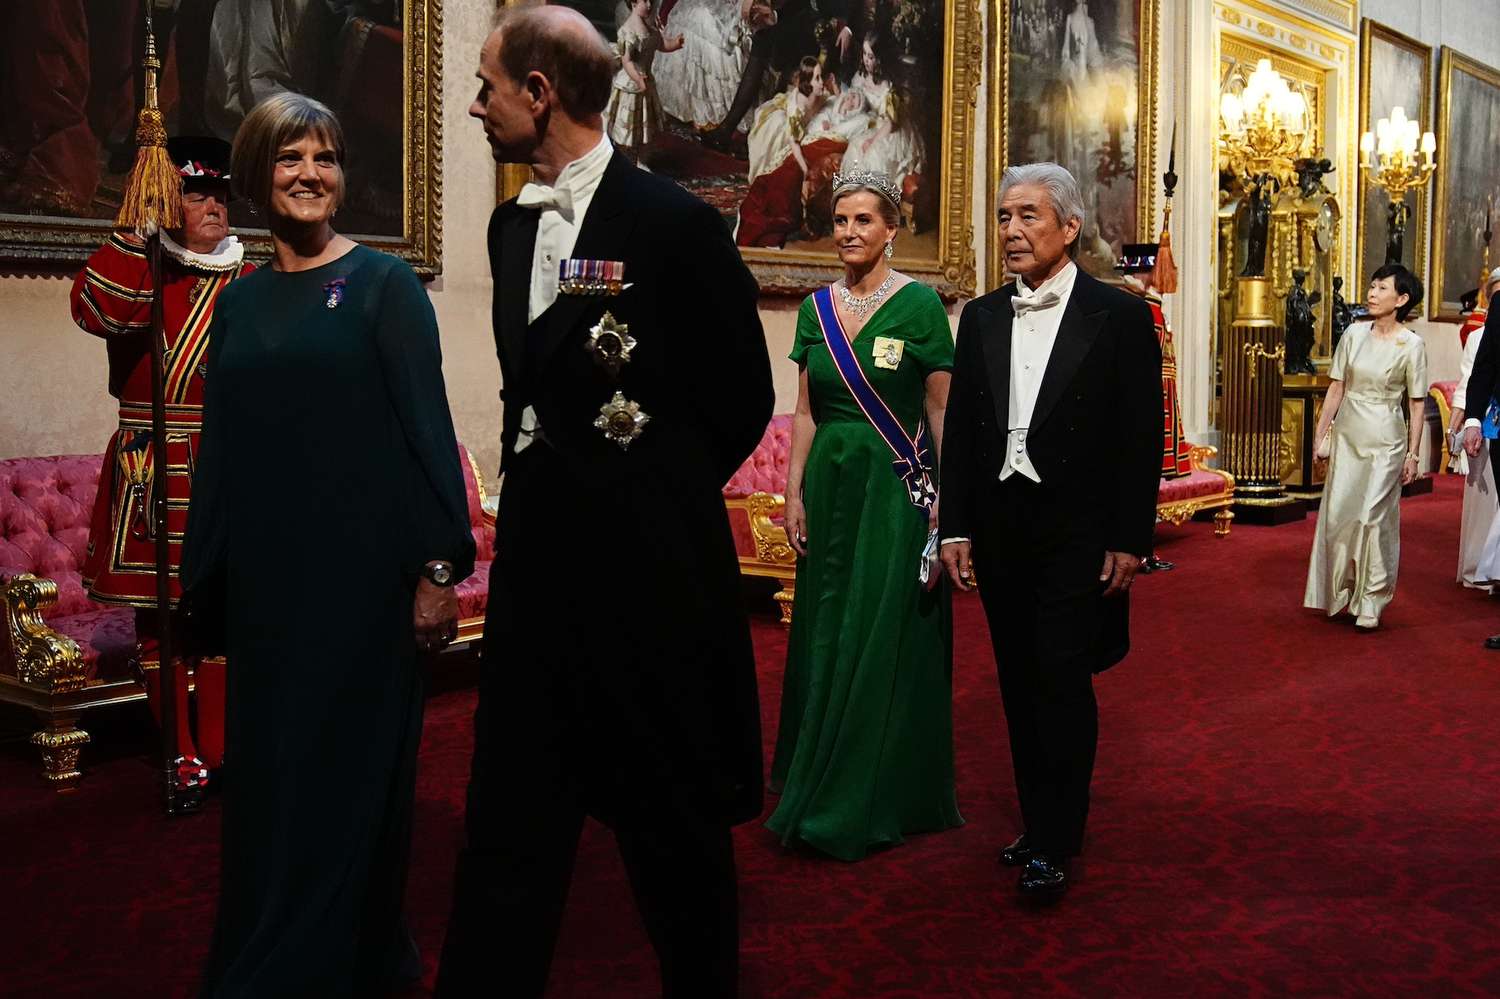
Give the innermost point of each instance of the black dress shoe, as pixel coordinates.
(1043, 878)
(1017, 853)
(1493, 642)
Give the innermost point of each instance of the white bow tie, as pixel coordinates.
(1021, 305)
(558, 199)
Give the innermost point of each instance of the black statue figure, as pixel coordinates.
(1396, 214)
(1300, 324)
(1310, 174)
(1260, 227)
(1342, 314)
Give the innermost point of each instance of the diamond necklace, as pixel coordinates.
(862, 307)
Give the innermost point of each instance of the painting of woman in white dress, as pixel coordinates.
(1075, 76)
(697, 87)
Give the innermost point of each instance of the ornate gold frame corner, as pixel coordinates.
(1147, 125)
(53, 242)
(1368, 31)
(1450, 60)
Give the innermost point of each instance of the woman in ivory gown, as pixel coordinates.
(697, 86)
(1372, 453)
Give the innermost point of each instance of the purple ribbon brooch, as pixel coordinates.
(335, 291)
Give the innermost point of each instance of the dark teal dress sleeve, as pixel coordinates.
(406, 338)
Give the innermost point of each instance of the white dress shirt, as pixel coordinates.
(563, 206)
(1033, 331)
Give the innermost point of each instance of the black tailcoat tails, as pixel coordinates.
(1095, 441)
(618, 675)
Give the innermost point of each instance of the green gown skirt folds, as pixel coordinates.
(864, 751)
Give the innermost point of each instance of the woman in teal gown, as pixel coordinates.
(864, 753)
(327, 496)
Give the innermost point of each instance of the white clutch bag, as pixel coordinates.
(1325, 446)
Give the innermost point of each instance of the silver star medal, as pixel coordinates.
(611, 343)
(621, 420)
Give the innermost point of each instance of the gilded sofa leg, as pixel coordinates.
(60, 743)
(1222, 520)
(784, 597)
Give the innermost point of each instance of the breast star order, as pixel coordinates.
(621, 420)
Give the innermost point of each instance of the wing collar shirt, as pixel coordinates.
(563, 207)
(1038, 314)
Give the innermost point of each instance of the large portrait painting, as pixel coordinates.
(1395, 71)
(754, 104)
(1078, 88)
(1468, 179)
(71, 86)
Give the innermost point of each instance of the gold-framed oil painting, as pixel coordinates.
(1394, 71)
(72, 85)
(1075, 83)
(1468, 179)
(760, 101)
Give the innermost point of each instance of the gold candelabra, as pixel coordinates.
(1388, 155)
(1263, 129)
(1389, 158)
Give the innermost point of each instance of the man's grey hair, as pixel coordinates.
(1061, 187)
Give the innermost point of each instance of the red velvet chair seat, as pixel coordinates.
(1190, 486)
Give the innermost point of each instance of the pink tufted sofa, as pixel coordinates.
(755, 497)
(64, 653)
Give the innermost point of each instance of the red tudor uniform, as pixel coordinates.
(111, 299)
(1473, 322)
(1176, 455)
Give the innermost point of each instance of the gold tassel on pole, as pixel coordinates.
(1164, 273)
(153, 191)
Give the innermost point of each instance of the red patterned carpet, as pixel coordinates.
(1283, 806)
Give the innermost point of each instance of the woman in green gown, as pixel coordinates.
(329, 523)
(864, 753)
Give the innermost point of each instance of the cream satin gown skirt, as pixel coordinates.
(1357, 545)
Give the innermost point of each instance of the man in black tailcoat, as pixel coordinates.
(618, 676)
(1050, 465)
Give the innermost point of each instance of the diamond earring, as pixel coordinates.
(890, 249)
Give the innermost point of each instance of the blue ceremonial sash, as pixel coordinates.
(912, 456)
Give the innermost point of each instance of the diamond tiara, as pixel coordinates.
(868, 178)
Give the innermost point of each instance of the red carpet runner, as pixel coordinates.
(1282, 806)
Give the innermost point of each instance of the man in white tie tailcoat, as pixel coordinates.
(1051, 459)
(618, 677)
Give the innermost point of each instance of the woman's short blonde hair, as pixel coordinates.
(273, 124)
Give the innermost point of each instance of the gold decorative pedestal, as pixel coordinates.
(1254, 348)
(1301, 406)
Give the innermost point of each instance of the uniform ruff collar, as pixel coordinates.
(224, 257)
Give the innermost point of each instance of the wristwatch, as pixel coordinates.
(438, 573)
